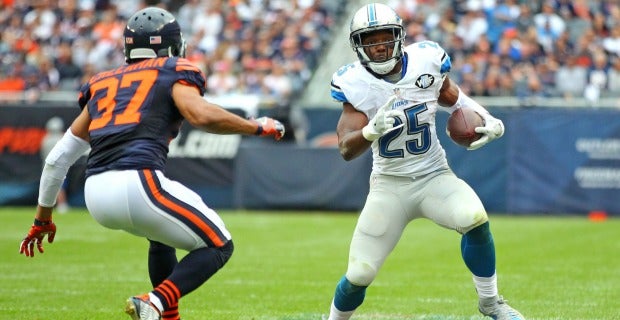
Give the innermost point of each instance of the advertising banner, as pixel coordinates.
(564, 161)
(277, 176)
(550, 160)
(201, 160)
(22, 131)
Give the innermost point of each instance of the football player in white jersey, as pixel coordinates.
(389, 99)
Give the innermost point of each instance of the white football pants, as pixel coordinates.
(147, 204)
(393, 202)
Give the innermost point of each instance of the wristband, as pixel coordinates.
(40, 223)
(259, 130)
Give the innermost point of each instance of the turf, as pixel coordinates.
(286, 266)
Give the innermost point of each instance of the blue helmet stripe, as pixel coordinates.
(372, 15)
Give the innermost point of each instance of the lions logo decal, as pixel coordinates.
(424, 81)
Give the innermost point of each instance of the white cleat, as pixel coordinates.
(497, 308)
(141, 308)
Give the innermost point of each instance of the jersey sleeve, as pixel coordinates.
(336, 85)
(352, 84)
(348, 84)
(84, 95)
(445, 62)
(189, 74)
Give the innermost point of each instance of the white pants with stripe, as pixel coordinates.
(147, 204)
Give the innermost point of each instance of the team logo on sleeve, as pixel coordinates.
(424, 81)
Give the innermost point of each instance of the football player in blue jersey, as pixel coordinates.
(389, 100)
(129, 116)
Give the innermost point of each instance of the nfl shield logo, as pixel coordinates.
(424, 81)
(155, 40)
(129, 40)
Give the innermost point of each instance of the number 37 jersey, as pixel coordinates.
(413, 149)
(133, 115)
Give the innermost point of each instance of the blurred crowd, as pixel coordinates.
(523, 48)
(243, 46)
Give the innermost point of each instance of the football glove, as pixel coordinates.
(269, 127)
(382, 122)
(36, 234)
(493, 129)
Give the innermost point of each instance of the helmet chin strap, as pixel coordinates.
(383, 68)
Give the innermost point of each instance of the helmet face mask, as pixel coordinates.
(153, 32)
(372, 18)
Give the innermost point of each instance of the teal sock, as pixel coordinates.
(478, 251)
(348, 296)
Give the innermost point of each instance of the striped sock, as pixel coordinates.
(172, 313)
(168, 294)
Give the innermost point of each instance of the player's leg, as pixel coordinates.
(456, 206)
(377, 232)
(204, 236)
(453, 204)
(162, 261)
(478, 251)
(165, 212)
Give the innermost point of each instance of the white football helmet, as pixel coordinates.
(373, 17)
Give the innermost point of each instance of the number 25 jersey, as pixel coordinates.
(414, 149)
(133, 115)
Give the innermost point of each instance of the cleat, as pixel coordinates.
(497, 308)
(141, 308)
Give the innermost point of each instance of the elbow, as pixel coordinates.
(346, 153)
(352, 148)
(346, 156)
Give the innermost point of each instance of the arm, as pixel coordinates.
(448, 94)
(351, 142)
(215, 119)
(64, 154)
(68, 149)
(356, 133)
(451, 96)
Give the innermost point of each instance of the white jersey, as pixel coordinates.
(412, 150)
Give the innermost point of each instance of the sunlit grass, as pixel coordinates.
(286, 266)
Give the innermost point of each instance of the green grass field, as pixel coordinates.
(286, 266)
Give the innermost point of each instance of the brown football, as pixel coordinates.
(461, 125)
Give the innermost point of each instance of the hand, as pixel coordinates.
(36, 234)
(269, 127)
(382, 122)
(493, 129)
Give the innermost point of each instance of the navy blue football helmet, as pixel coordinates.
(153, 32)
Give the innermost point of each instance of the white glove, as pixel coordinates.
(382, 122)
(493, 129)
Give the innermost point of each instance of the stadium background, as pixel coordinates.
(553, 78)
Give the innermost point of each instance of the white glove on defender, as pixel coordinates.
(493, 129)
(382, 122)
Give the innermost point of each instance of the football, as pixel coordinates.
(461, 125)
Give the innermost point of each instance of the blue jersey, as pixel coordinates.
(134, 117)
